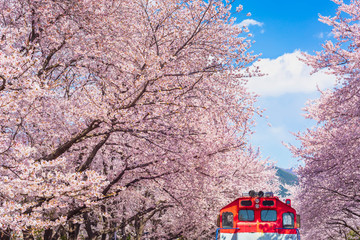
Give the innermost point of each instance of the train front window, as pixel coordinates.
(268, 215)
(288, 220)
(246, 203)
(246, 215)
(268, 203)
(227, 220)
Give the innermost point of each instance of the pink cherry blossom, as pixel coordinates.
(330, 178)
(127, 116)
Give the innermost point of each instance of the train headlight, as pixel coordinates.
(257, 200)
(257, 205)
(261, 194)
(252, 193)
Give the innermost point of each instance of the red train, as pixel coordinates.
(258, 216)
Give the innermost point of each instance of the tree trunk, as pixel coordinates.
(27, 235)
(139, 228)
(89, 231)
(48, 234)
(5, 235)
(73, 231)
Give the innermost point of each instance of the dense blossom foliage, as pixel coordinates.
(330, 179)
(127, 116)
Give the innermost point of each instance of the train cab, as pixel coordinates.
(258, 216)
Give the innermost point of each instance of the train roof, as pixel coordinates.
(265, 198)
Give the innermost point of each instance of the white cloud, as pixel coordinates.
(287, 74)
(320, 35)
(330, 35)
(249, 22)
(279, 131)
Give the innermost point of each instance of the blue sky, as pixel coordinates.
(282, 30)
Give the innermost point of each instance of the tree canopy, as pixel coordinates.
(330, 178)
(123, 115)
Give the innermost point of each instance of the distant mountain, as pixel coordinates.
(290, 170)
(286, 176)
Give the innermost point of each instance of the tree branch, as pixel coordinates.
(93, 153)
(2, 86)
(64, 147)
(48, 58)
(121, 174)
(132, 104)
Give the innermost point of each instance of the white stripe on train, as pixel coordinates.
(257, 236)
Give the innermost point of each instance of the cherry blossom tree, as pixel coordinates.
(124, 116)
(330, 178)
